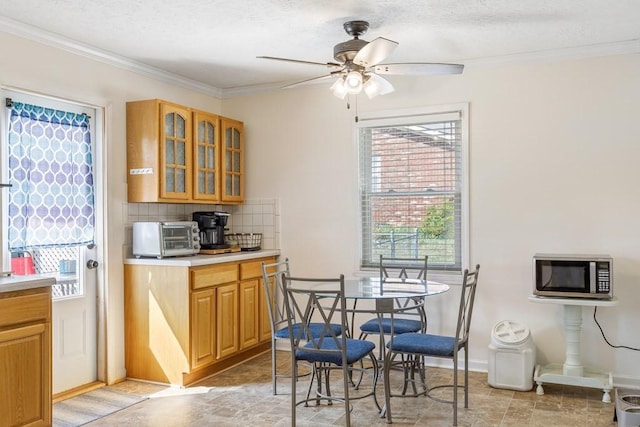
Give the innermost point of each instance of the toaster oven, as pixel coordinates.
(165, 239)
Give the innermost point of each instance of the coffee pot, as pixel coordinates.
(211, 225)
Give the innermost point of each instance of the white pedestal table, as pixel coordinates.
(572, 372)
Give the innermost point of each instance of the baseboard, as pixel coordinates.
(474, 365)
(58, 397)
(626, 382)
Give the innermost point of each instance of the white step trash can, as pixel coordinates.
(512, 356)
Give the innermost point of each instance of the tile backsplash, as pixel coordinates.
(253, 216)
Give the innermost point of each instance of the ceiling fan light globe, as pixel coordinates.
(353, 82)
(338, 89)
(371, 88)
(383, 86)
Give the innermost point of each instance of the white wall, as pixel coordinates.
(553, 148)
(37, 68)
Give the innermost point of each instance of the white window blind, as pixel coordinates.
(412, 188)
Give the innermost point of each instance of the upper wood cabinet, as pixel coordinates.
(206, 157)
(233, 161)
(176, 154)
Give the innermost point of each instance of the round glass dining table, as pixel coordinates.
(374, 288)
(384, 293)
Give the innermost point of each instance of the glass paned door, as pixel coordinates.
(233, 161)
(176, 151)
(50, 229)
(206, 157)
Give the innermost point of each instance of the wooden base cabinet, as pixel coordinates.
(25, 358)
(265, 320)
(227, 320)
(203, 332)
(249, 312)
(183, 324)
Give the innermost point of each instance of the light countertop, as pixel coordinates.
(197, 260)
(21, 283)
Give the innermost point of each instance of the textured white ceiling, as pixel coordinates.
(216, 42)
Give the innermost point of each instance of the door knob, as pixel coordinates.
(92, 264)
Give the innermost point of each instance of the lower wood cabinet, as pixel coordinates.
(228, 322)
(25, 358)
(203, 327)
(265, 319)
(249, 312)
(185, 323)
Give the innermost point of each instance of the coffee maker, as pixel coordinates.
(211, 225)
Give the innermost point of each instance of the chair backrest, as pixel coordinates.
(321, 302)
(408, 268)
(467, 297)
(274, 291)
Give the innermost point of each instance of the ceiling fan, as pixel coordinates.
(358, 66)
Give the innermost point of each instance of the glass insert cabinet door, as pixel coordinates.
(175, 156)
(206, 156)
(233, 160)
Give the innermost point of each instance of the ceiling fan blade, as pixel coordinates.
(374, 52)
(307, 81)
(418, 68)
(297, 61)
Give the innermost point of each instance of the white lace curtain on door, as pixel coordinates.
(51, 200)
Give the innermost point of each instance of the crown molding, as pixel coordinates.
(580, 52)
(54, 40)
(38, 35)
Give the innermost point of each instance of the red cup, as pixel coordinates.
(22, 266)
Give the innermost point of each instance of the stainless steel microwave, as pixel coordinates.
(573, 276)
(165, 239)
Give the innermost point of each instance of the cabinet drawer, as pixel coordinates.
(25, 307)
(214, 275)
(253, 269)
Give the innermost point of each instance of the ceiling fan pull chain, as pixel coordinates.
(356, 108)
(349, 106)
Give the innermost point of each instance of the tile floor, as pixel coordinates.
(242, 396)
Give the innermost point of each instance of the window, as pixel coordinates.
(413, 186)
(48, 210)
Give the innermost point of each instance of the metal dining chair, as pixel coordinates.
(278, 316)
(408, 314)
(323, 299)
(419, 345)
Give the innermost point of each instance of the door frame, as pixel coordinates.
(102, 116)
(101, 236)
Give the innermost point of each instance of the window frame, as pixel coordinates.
(408, 116)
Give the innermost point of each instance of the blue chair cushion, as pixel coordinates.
(400, 326)
(426, 344)
(315, 329)
(356, 350)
